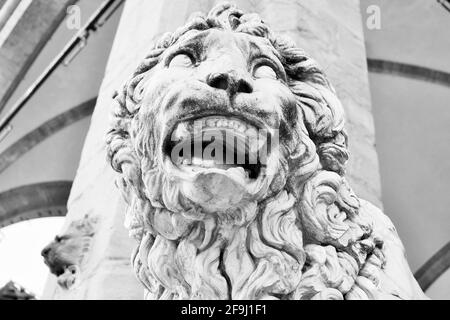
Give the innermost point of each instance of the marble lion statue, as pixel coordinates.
(282, 225)
(66, 254)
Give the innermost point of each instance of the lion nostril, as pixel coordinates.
(45, 252)
(218, 81)
(229, 82)
(244, 87)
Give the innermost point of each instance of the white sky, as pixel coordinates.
(20, 252)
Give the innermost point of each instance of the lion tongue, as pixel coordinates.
(216, 190)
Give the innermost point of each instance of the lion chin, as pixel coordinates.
(278, 221)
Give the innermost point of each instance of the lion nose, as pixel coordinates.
(230, 82)
(45, 251)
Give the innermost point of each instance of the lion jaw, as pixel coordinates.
(221, 162)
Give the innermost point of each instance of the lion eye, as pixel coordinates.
(266, 72)
(181, 60)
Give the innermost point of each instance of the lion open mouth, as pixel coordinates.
(218, 142)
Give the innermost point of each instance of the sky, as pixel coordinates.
(20, 252)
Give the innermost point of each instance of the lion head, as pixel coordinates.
(283, 226)
(65, 255)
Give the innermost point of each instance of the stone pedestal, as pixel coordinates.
(330, 31)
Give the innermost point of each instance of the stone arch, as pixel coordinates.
(409, 71)
(47, 199)
(435, 267)
(44, 131)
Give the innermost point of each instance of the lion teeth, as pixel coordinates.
(221, 129)
(208, 163)
(211, 122)
(251, 132)
(208, 123)
(197, 161)
(181, 131)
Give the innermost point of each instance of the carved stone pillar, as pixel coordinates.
(328, 30)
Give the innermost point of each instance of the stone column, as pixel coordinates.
(329, 30)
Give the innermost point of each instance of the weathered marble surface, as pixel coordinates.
(343, 57)
(284, 226)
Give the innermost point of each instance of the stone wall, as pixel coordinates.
(331, 31)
